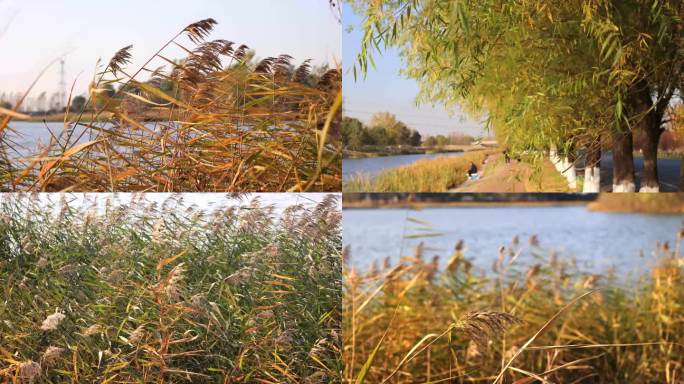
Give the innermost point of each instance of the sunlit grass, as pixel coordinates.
(430, 175)
(166, 292)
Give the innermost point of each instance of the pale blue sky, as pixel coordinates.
(384, 89)
(205, 201)
(35, 32)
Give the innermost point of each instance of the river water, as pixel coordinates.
(599, 241)
(27, 137)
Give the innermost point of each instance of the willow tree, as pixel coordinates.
(545, 73)
(642, 59)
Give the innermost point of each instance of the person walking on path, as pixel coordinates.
(472, 172)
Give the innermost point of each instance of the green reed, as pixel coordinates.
(149, 292)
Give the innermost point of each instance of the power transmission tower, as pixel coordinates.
(62, 85)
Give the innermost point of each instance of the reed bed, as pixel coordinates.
(216, 120)
(169, 293)
(434, 175)
(541, 320)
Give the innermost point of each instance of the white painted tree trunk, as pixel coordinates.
(568, 170)
(592, 180)
(647, 189)
(555, 160)
(624, 186)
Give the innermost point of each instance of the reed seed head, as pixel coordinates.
(482, 326)
(51, 322)
(120, 58)
(29, 371)
(51, 355)
(198, 31)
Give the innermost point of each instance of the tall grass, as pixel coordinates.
(217, 120)
(169, 293)
(542, 320)
(434, 175)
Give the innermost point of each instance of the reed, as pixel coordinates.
(434, 175)
(543, 320)
(149, 292)
(216, 120)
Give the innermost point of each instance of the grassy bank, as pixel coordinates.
(433, 175)
(551, 322)
(167, 293)
(639, 202)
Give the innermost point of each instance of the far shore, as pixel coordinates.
(666, 204)
(404, 150)
(470, 204)
(88, 116)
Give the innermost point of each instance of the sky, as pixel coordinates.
(33, 33)
(385, 90)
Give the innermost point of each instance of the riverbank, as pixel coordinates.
(396, 151)
(660, 203)
(435, 175)
(437, 200)
(59, 117)
(516, 177)
(88, 117)
(423, 205)
(351, 154)
(664, 203)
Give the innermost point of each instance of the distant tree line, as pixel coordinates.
(452, 139)
(385, 130)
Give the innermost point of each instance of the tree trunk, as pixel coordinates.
(681, 174)
(649, 115)
(652, 133)
(555, 160)
(592, 171)
(568, 170)
(623, 162)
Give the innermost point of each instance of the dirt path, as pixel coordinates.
(501, 177)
